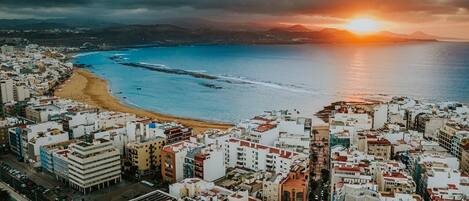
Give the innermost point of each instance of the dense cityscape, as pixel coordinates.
(54, 148)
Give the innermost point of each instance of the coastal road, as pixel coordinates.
(16, 196)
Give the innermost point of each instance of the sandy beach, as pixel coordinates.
(86, 87)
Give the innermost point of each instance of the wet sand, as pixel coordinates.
(86, 87)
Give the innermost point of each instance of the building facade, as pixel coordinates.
(145, 156)
(93, 165)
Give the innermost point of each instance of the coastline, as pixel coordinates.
(86, 87)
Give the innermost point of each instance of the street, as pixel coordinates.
(123, 191)
(42, 178)
(16, 196)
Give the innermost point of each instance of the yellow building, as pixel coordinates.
(446, 134)
(145, 156)
(380, 148)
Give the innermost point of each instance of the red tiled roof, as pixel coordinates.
(350, 169)
(261, 118)
(341, 158)
(272, 150)
(363, 165)
(452, 186)
(265, 127)
(233, 140)
(395, 175)
(379, 142)
(370, 136)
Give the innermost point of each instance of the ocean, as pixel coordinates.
(230, 83)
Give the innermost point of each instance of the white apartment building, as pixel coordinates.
(22, 135)
(380, 115)
(142, 130)
(93, 165)
(173, 158)
(7, 91)
(207, 163)
(117, 135)
(60, 163)
(351, 121)
(295, 143)
(258, 157)
(51, 136)
(111, 119)
(81, 123)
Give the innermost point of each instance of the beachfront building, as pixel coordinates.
(295, 134)
(220, 137)
(93, 165)
(145, 156)
(44, 113)
(173, 132)
(344, 125)
(107, 119)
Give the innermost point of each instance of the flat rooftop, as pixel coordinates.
(155, 196)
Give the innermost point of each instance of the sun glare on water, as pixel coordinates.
(362, 25)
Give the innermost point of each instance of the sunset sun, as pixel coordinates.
(362, 25)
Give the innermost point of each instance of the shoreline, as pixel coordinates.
(86, 87)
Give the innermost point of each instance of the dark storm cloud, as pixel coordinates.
(403, 10)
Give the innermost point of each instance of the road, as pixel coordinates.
(41, 178)
(118, 192)
(16, 196)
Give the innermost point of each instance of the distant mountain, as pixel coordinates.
(418, 35)
(295, 28)
(169, 34)
(201, 23)
(392, 34)
(59, 23)
(149, 28)
(422, 35)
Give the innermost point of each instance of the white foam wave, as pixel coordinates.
(197, 71)
(84, 54)
(157, 65)
(291, 88)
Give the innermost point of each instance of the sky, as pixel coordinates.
(448, 18)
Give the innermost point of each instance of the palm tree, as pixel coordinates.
(4, 195)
